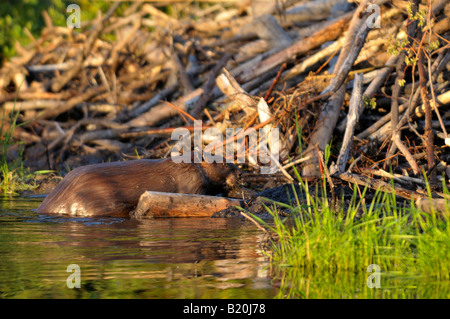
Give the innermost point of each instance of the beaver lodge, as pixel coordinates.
(358, 94)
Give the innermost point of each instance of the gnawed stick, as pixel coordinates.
(159, 204)
(396, 177)
(255, 223)
(347, 64)
(400, 69)
(184, 79)
(329, 114)
(164, 111)
(439, 205)
(443, 99)
(353, 116)
(380, 128)
(231, 88)
(412, 162)
(209, 86)
(377, 185)
(59, 82)
(328, 33)
(64, 107)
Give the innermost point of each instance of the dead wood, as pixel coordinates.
(157, 204)
(327, 34)
(378, 185)
(353, 115)
(77, 96)
(434, 205)
(268, 29)
(209, 86)
(326, 123)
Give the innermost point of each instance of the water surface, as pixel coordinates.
(125, 258)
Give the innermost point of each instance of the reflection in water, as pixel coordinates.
(296, 282)
(124, 258)
(165, 258)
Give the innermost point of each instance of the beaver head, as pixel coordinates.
(226, 175)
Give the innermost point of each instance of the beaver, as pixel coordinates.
(113, 189)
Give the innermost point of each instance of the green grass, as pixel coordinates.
(321, 253)
(13, 177)
(15, 16)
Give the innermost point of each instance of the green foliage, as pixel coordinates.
(411, 61)
(316, 243)
(12, 172)
(434, 45)
(369, 103)
(16, 15)
(398, 45)
(420, 15)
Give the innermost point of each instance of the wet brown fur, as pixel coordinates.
(114, 189)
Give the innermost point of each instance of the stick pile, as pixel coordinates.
(101, 92)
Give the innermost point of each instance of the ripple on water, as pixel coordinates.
(125, 258)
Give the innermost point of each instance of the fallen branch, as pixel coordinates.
(158, 204)
(329, 33)
(328, 117)
(377, 185)
(353, 115)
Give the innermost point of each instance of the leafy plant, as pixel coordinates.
(12, 174)
(16, 16)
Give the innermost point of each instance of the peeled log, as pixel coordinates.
(158, 204)
(324, 127)
(438, 205)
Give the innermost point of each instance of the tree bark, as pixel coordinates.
(158, 204)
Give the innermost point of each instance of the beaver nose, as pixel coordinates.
(239, 178)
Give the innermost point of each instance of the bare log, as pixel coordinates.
(164, 111)
(328, 33)
(351, 56)
(31, 105)
(326, 123)
(378, 185)
(209, 86)
(64, 107)
(437, 205)
(353, 116)
(152, 102)
(268, 29)
(231, 88)
(310, 61)
(375, 85)
(159, 204)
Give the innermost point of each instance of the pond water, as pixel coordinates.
(124, 258)
(184, 258)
